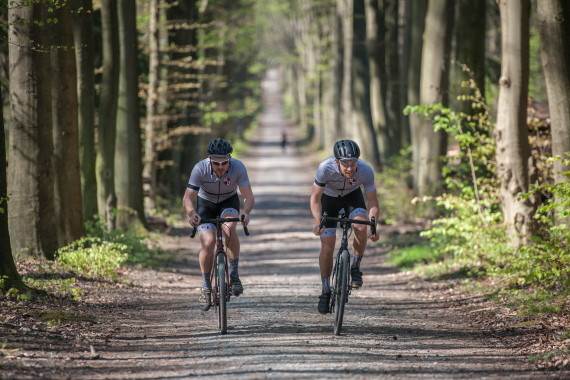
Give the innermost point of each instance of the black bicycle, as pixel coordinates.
(219, 276)
(341, 270)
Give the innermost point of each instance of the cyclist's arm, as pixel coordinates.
(372, 202)
(248, 199)
(315, 202)
(189, 202)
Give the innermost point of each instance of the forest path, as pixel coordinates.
(394, 326)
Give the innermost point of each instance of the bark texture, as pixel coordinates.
(106, 131)
(513, 151)
(128, 154)
(30, 174)
(67, 195)
(8, 273)
(361, 116)
(84, 58)
(376, 52)
(434, 86)
(554, 27)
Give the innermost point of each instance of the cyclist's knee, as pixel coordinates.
(328, 242)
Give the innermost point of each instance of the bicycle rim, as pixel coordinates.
(223, 290)
(341, 290)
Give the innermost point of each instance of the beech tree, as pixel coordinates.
(84, 58)
(554, 26)
(434, 85)
(106, 130)
(8, 273)
(513, 150)
(30, 173)
(67, 178)
(128, 153)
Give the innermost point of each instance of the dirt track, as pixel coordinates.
(393, 327)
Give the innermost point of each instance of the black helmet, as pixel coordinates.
(220, 147)
(346, 149)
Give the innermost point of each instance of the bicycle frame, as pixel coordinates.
(218, 289)
(341, 288)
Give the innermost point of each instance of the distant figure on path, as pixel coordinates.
(283, 141)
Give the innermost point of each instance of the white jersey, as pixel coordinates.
(336, 185)
(217, 189)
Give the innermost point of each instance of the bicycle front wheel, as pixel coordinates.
(341, 290)
(223, 292)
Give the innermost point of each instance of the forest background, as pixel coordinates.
(462, 107)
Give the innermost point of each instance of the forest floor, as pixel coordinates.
(149, 325)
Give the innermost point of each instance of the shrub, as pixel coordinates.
(93, 257)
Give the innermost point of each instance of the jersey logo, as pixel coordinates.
(227, 181)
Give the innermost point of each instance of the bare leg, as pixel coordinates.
(360, 236)
(326, 257)
(206, 255)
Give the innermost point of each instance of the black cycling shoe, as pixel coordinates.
(324, 303)
(356, 275)
(237, 287)
(206, 298)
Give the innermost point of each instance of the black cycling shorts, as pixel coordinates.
(349, 202)
(211, 210)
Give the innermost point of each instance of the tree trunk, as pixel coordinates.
(347, 128)
(338, 70)
(8, 273)
(554, 26)
(362, 117)
(106, 131)
(68, 203)
(433, 89)
(470, 43)
(30, 185)
(128, 163)
(83, 40)
(393, 106)
(375, 46)
(417, 22)
(150, 155)
(513, 151)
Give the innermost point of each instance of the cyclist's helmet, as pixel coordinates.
(219, 147)
(344, 149)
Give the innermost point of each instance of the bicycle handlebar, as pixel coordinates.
(371, 222)
(218, 221)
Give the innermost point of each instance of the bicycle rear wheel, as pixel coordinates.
(341, 290)
(223, 292)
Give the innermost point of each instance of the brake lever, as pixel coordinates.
(193, 232)
(245, 230)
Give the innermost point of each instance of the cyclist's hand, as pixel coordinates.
(245, 218)
(317, 229)
(194, 218)
(374, 237)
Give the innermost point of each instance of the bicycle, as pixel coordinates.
(341, 270)
(219, 276)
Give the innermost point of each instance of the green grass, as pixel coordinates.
(409, 257)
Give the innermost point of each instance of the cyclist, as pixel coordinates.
(338, 186)
(212, 192)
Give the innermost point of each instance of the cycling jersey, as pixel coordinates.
(217, 189)
(336, 185)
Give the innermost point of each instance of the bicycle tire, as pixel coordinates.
(223, 292)
(341, 290)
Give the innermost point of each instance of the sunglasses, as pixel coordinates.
(348, 162)
(220, 163)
